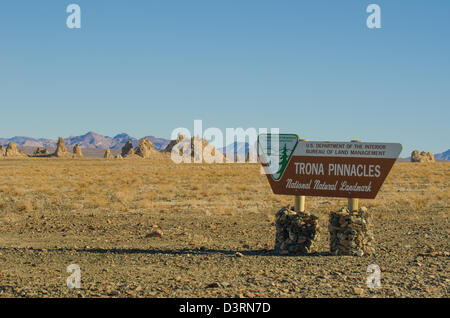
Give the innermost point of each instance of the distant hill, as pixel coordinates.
(240, 151)
(29, 142)
(237, 148)
(94, 144)
(159, 143)
(91, 140)
(444, 156)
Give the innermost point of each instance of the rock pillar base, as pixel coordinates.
(351, 233)
(296, 232)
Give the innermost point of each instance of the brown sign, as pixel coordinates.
(335, 169)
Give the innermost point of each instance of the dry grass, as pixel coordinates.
(136, 186)
(98, 213)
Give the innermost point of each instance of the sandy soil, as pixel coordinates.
(217, 226)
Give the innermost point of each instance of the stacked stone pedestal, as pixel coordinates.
(351, 233)
(296, 232)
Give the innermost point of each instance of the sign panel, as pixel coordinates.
(336, 169)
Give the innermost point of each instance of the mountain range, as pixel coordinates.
(444, 156)
(92, 140)
(238, 148)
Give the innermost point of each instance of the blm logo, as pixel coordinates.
(275, 151)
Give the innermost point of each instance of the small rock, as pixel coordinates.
(284, 252)
(213, 285)
(358, 291)
(157, 233)
(226, 284)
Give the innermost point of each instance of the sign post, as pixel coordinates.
(299, 203)
(353, 203)
(300, 200)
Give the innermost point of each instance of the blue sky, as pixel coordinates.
(306, 67)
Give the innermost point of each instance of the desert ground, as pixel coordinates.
(152, 228)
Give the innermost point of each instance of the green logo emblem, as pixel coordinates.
(276, 150)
